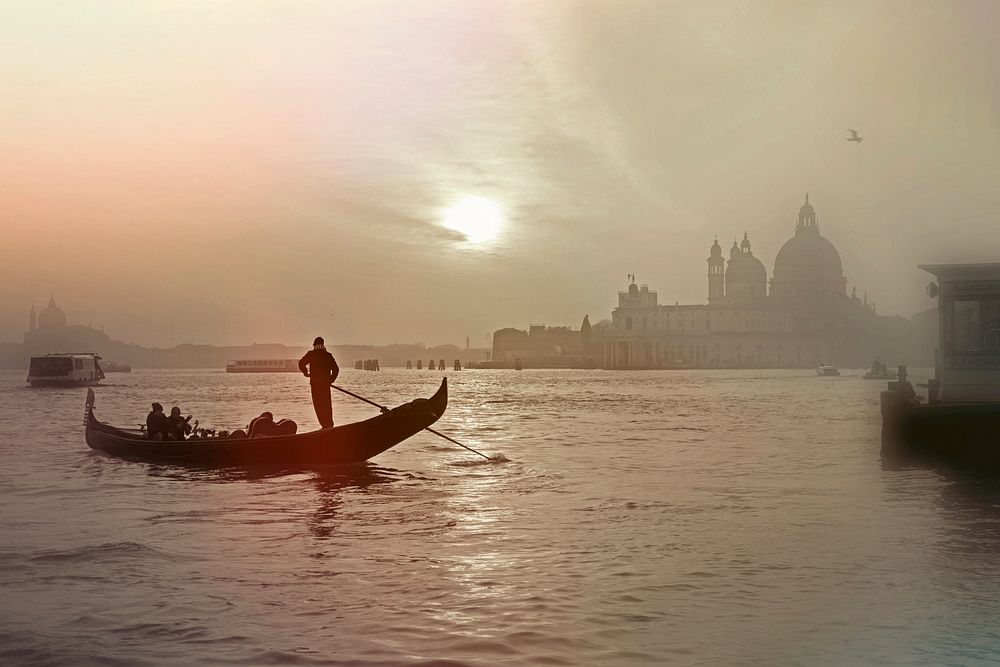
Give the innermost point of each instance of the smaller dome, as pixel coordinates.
(633, 289)
(745, 268)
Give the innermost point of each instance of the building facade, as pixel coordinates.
(548, 347)
(806, 318)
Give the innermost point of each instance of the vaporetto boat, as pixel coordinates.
(65, 370)
(263, 366)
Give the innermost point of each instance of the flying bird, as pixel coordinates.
(855, 137)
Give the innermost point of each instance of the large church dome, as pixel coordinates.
(808, 252)
(808, 267)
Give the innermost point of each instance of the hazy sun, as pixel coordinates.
(478, 218)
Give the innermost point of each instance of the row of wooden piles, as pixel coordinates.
(432, 367)
(372, 365)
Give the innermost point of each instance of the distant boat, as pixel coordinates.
(677, 365)
(116, 367)
(517, 365)
(885, 375)
(350, 443)
(263, 366)
(65, 370)
(879, 371)
(827, 371)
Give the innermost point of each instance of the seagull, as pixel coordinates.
(855, 137)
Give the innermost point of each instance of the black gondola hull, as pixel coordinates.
(350, 443)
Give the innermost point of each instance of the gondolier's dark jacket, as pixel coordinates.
(323, 368)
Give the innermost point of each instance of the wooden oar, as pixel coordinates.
(426, 428)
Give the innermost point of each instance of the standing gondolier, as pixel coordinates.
(321, 368)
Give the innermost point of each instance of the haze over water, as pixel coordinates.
(707, 517)
(272, 171)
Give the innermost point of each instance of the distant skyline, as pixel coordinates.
(384, 172)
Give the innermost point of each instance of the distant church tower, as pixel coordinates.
(716, 273)
(32, 320)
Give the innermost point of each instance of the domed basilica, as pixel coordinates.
(48, 331)
(804, 318)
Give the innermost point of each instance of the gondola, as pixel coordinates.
(350, 443)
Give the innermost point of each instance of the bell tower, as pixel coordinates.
(716, 273)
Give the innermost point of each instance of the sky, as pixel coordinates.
(249, 171)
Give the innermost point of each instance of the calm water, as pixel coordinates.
(642, 518)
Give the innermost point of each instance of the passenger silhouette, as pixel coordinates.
(321, 368)
(178, 426)
(157, 426)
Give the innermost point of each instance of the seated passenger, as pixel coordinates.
(261, 426)
(157, 426)
(180, 427)
(285, 427)
(264, 425)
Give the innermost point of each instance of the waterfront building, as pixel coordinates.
(548, 347)
(806, 318)
(967, 361)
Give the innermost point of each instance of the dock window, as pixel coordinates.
(976, 326)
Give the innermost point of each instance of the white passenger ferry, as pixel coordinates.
(263, 366)
(65, 370)
(115, 367)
